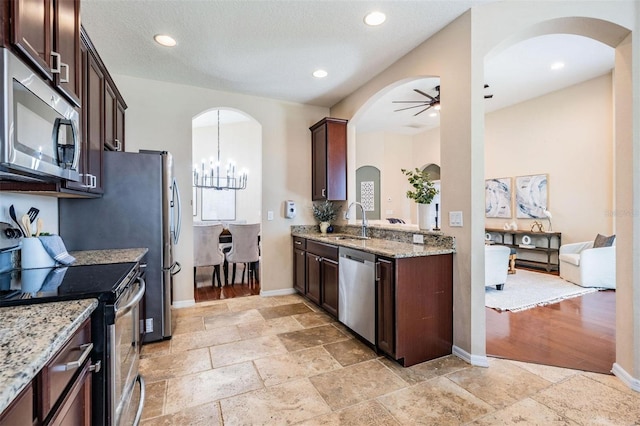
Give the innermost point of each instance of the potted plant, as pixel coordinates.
(422, 193)
(325, 213)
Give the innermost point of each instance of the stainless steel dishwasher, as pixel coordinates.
(357, 292)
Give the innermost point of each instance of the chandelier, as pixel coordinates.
(211, 177)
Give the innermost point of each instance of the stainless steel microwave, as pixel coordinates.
(39, 128)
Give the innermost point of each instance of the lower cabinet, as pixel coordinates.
(415, 308)
(414, 298)
(315, 273)
(60, 394)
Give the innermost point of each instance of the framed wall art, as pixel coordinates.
(497, 193)
(531, 196)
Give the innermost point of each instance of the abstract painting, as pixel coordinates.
(497, 194)
(531, 196)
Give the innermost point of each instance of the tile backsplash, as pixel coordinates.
(48, 207)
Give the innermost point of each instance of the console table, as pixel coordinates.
(550, 249)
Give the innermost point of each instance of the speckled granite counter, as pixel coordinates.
(30, 336)
(98, 257)
(383, 242)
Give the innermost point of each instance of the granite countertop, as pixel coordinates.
(379, 246)
(30, 336)
(100, 257)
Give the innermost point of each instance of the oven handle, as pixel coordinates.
(122, 310)
(140, 380)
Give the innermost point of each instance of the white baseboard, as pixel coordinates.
(183, 304)
(477, 360)
(281, 292)
(625, 377)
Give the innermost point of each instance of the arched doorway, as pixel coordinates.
(573, 165)
(225, 142)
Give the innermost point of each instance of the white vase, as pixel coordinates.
(425, 213)
(323, 227)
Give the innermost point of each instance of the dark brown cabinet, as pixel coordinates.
(329, 285)
(386, 306)
(60, 393)
(316, 273)
(299, 265)
(329, 159)
(32, 32)
(415, 308)
(47, 32)
(113, 119)
(21, 411)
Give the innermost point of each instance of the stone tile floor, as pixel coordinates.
(280, 360)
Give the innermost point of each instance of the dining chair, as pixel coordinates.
(244, 248)
(207, 250)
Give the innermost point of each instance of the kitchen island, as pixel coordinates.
(401, 293)
(30, 336)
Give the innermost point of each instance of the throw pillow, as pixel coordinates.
(604, 241)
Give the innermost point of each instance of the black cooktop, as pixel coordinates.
(27, 286)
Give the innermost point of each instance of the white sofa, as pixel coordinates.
(586, 266)
(496, 265)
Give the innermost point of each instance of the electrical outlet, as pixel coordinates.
(270, 215)
(418, 239)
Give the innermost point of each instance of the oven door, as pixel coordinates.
(124, 347)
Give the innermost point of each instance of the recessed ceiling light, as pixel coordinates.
(375, 18)
(320, 73)
(164, 40)
(557, 65)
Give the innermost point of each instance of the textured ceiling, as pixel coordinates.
(269, 48)
(264, 48)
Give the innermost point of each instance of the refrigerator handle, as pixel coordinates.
(178, 207)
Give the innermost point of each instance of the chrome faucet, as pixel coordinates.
(364, 217)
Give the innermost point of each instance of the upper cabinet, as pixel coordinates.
(329, 160)
(47, 32)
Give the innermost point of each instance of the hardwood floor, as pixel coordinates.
(204, 291)
(577, 333)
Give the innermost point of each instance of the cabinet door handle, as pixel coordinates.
(84, 180)
(56, 61)
(377, 270)
(64, 79)
(73, 365)
(324, 192)
(117, 145)
(94, 181)
(298, 243)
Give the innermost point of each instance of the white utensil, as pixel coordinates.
(39, 226)
(26, 224)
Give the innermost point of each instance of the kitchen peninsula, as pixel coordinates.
(411, 285)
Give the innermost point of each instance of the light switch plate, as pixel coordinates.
(455, 219)
(418, 239)
(270, 215)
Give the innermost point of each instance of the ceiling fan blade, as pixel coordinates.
(414, 106)
(488, 96)
(486, 86)
(404, 102)
(425, 94)
(420, 112)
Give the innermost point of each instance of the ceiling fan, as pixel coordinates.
(430, 102)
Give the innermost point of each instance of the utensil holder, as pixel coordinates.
(34, 255)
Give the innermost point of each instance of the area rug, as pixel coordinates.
(526, 290)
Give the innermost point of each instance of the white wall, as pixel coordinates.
(159, 117)
(48, 207)
(568, 135)
(242, 143)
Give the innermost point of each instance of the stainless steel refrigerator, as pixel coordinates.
(140, 208)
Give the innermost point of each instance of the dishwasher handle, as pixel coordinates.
(356, 259)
